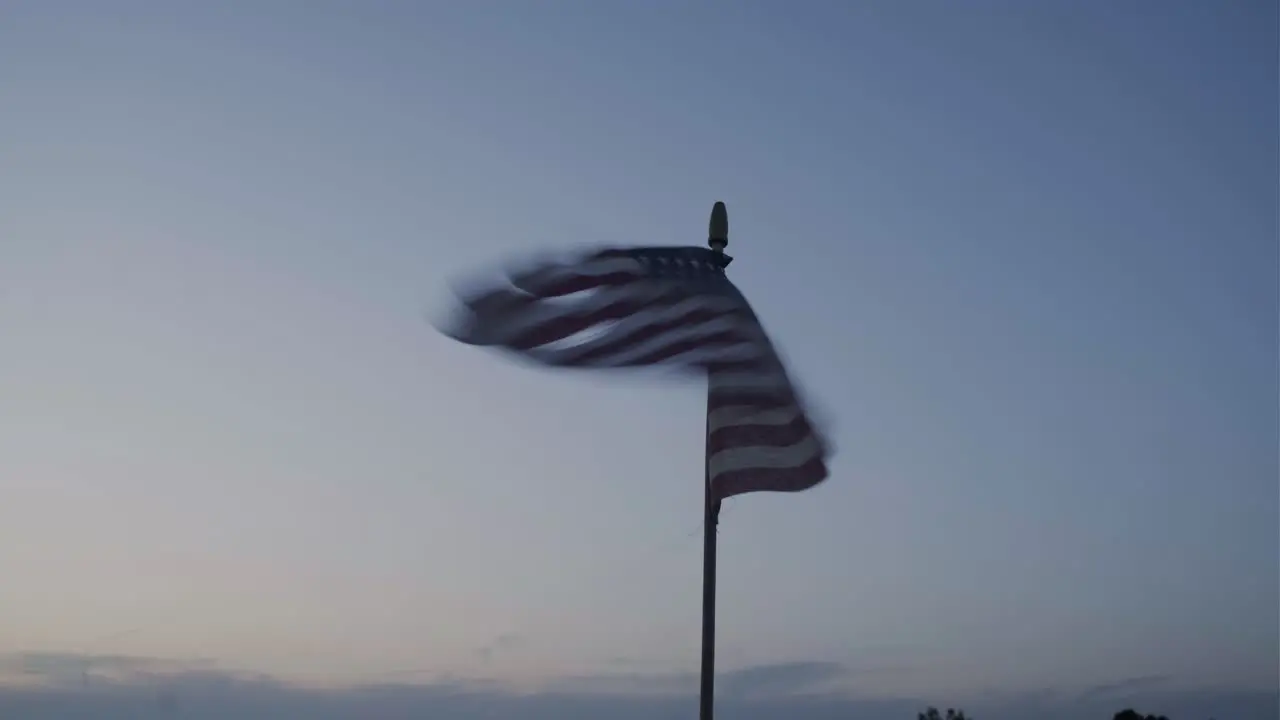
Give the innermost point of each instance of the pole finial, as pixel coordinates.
(718, 231)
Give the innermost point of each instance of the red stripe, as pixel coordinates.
(792, 479)
(716, 366)
(622, 342)
(737, 436)
(724, 338)
(759, 398)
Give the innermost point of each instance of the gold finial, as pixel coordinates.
(718, 231)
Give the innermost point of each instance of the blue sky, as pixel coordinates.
(1024, 255)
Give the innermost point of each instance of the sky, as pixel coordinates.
(1023, 256)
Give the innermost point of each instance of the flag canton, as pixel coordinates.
(682, 263)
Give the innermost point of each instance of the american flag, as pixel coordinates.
(673, 306)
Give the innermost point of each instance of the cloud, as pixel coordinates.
(758, 681)
(501, 644)
(1125, 685)
(79, 670)
(780, 679)
(159, 689)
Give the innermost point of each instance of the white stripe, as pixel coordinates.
(628, 355)
(747, 415)
(631, 353)
(748, 458)
(662, 315)
(544, 312)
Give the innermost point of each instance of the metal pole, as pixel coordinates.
(717, 239)
(706, 699)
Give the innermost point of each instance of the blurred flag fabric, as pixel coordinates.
(662, 306)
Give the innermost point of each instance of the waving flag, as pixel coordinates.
(673, 306)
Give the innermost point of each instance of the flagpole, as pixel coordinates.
(717, 239)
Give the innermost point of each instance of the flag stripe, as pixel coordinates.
(648, 324)
(560, 280)
(680, 345)
(652, 325)
(760, 435)
(766, 388)
(731, 416)
(795, 478)
(552, 323)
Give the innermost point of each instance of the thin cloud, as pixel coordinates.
(781, 679)
(775, 680)
(1141, 682)
(78, 670)
(764, 692)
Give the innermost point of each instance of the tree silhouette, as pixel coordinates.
(1131, 714)
(932, 713)
(952, 714)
